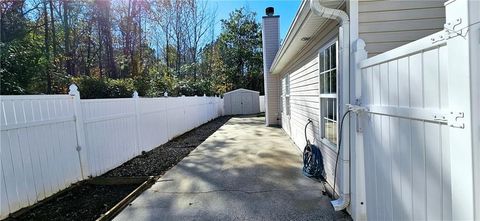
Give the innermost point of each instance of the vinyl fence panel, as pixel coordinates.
(153, 122)
(110, 133)
(38, 149)
(51, 141)
(405, 138)
(261, 101)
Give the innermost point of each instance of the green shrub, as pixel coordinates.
(102, 87)
(118, 88)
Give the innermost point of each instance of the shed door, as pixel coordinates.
(237, 103)
(247, 103)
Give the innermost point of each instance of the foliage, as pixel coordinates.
(112, 48)
(240, 46)
(102, 87)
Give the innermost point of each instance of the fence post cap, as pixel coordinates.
(73, 90)
(135, 94)
(359, 45)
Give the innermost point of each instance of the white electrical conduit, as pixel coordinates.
(344, 60)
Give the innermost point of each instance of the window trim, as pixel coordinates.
(323, 140)
(286, 109)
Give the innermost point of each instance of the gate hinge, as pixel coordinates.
(453, 119)
(451, 29)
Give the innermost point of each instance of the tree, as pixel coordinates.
(241, 49)
(152, 46)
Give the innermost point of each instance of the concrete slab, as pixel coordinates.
(244, 171)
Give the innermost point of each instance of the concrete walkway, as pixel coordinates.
(244, 171)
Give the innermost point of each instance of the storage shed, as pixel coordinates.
(241, 101)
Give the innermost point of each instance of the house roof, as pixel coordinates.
(241, 89)
(305, 25)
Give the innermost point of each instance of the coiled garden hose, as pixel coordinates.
(312, 159)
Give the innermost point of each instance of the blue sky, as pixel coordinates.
(285, 8)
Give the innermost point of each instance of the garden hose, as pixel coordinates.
(338, 152)
(312, 159)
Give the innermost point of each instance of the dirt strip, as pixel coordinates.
(88, 200)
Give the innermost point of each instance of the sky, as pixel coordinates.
(287, 10)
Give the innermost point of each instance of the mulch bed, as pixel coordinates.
(87, 201)
(81, 202)
(159, 160)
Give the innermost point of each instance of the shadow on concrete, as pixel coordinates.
(244, 171)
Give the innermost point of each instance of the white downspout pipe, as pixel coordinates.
(344, 60)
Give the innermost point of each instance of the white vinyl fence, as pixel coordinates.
(406, 148)
(413, 142)
(262, 103)
(51, 141)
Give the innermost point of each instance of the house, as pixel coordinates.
(406, 154)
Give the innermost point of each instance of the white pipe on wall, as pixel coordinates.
(344, 61)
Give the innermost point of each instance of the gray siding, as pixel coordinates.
(385, 25)
(304, 96)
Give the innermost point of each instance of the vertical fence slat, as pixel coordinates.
(9, 173)
(30, 192)
(49, 142)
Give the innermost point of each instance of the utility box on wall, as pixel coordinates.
(241, 101)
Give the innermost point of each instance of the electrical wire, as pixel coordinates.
(338, 152)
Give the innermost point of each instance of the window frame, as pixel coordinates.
(287, 96)
(324, 96)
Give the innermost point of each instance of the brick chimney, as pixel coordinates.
(271, 43)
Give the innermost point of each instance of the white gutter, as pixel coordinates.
(344, 60)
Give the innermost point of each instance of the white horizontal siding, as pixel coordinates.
(304, 96)
(304, 103)
(385, 25)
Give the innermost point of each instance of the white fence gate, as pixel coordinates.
(406, 141)
(261, 100)
(415, 138)
(51, 141)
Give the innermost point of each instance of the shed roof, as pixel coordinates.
(305, 25)
(241, 89)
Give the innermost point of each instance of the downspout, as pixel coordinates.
(344, 60)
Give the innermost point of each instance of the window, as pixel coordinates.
(287, 94)
(328, 93)
(282, 96)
